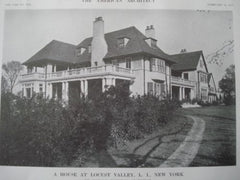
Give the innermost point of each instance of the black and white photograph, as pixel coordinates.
(118, 88)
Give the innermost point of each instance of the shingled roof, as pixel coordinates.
(55, 51)
(66, 53)
(136, 45)
(187, 61)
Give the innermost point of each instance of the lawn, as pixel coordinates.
(218, 147)
(153, 149)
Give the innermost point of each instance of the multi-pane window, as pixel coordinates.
(152, 65)
(156, 88)
(203, 78)
(185, 76)
(128, 63)
(157, 65)
(150, 88)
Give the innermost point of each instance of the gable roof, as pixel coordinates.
(55, 51)
(210, 76)
(187, 61)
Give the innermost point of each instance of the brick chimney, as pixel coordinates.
(99, 45)
(150, 32)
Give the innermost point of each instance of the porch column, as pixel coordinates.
(183, 92)
(32, 90)
(63, 90)
(103, 84)
(54, 91)
(49, 92)
(114, 81)
(67, 91)
(131, 87)
(191, 93)
(86, 87)
(82, 87)
(180, 93)
(24, 90)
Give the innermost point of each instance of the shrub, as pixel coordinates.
(30, 130)
(43, 132)
(228, 100)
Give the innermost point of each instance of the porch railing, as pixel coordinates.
(79, 71)
(34, 76)
(182, 81)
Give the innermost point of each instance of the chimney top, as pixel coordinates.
(149, 27)
(98, 19)
(183, 50)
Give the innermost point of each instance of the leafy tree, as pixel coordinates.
(11, 71)
(4, 85)
(227, 84)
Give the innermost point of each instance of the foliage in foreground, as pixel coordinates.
(227, 85)
(42, 132)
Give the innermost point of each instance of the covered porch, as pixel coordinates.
(182, 93)
(72, 90)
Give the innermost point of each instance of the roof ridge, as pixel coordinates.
(130, 27)
(54, 40)
(90, 37)
(199, 51)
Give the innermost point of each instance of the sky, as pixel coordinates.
(27, 31)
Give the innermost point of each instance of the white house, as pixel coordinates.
(62, 70)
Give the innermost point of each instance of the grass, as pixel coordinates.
(218, 147)
(155, 148)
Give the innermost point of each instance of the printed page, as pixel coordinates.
(119, 89)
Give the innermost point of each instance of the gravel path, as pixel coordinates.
(186, 152)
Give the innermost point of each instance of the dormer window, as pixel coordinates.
(122, 42)
(151, 42)
(80, 51)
